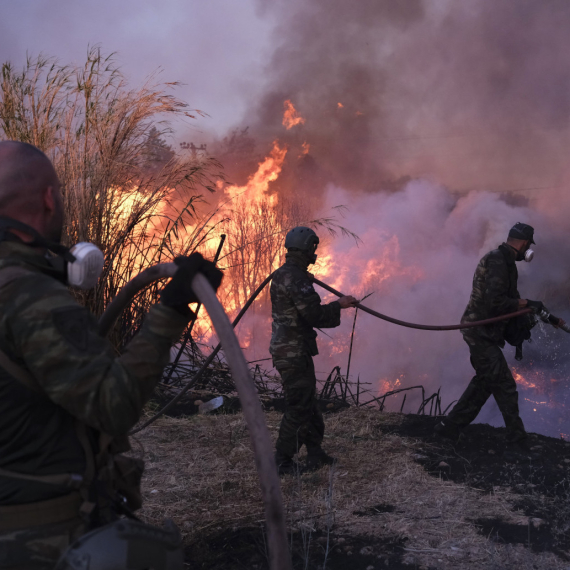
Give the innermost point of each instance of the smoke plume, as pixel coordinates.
(439, 125)
(474, 94)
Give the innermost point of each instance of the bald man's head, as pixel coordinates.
(30, 188)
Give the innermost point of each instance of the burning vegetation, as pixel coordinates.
(411, 245)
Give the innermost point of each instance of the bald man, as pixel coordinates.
(66, 401)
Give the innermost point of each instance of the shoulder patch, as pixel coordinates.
(306, 288)
(73, 324)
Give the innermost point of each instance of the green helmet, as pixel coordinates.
(303, 239)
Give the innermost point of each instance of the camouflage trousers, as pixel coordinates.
(38, 548)
(302, 423)
(493, 377)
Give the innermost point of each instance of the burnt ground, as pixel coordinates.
(483, 460)
(245, 548)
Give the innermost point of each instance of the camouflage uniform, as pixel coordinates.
(44, 330)
(494, 293)
(296, 309)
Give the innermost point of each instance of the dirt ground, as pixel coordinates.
(398, 498)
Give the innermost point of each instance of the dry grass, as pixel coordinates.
(200, 472)
(123, 187)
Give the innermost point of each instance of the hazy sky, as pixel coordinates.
(472, 94)
(216, 47)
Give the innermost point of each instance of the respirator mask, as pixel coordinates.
(312, 255)
(81, 265)
(527, 255)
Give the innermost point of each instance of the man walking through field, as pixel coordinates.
(296, 311)
(495, 293)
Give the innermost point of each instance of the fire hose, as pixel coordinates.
(162, 271)
(544, 316)
(279, 556)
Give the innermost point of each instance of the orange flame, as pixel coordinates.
(305, 146)
(267, 171)
(386, 385)
(521, 380)
(340, 105)
(384, 267)
(291, 117)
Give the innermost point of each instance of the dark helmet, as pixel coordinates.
(126, 544)
(522, 231)
(303, 239)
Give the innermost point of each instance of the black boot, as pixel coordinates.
(285, 464)
(447, 430)
(317, 458)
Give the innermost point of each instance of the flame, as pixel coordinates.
(539, 381)
(267, 171)
(521, 380)
(291, 117)
(359, 113)
(305, 149)
(386, 385)
(378, 271)
(340, 105)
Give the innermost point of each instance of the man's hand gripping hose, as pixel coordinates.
(279, 555)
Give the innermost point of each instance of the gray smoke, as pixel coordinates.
(474, 94)
(453, 126)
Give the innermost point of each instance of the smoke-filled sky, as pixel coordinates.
(473, 94)
(215, 47)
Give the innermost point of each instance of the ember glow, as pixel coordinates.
(291, 117)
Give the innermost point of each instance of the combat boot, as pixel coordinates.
(317, 458)
(447, 430)
(285, 464)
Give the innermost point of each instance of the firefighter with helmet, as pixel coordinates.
(296, 312)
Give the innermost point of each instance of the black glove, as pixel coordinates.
(178, 292)
(536, 306)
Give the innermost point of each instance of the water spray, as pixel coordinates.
(546, 317)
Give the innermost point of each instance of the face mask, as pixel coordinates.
(82, 264)
(85, 271)
(528, 255)
(312, 256)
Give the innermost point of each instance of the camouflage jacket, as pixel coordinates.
(44, 330)
(494, 293)
(296, 309)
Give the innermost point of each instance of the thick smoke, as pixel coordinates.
(419, 250)
(475, 94)
(439, 125)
